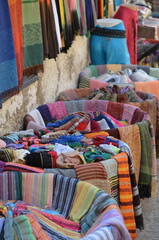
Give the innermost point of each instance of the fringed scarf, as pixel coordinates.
(8, 70)
(15, 8)
(145, 177)
(51, 48)
(32, 37)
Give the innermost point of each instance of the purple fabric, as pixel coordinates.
(16, 146)
(114, 219)
(2, 165)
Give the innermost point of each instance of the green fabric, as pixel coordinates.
(91, 156)
(32, 33)
(22, 228)
(154, 72)
(146, 154)
(93, 70)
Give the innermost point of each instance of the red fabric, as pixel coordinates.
(15, 8)
(54, 156)
(82, 125)
(95, 127)
(130, 19)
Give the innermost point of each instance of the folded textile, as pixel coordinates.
(98, 178)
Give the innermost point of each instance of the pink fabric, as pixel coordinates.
(57, 109)
(130, 19)
(96, 84)
(128, 112)
(114, 120)
(96, 105)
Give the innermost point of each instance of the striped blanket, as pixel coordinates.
(40, 221)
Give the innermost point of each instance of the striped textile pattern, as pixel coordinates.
(85, 194)
(37, 188)
(126, 198)
(63, 194)
(98, 178)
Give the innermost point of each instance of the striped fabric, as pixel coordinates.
(99, 203)
(98, 178)
(10, 166)
(10, 186)
(37, 188)
(63, 194)
(85, 194)
(38, 232)
(126, 198)
(21, 227)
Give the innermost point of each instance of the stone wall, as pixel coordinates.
(58, 75)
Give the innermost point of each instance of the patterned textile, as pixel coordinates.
(10, 186)
(63, 194)
(111, 168)
(145, 177)
(8, 70)
(135, 192)
(37, 188)
(98, 178)
(126, 198)
(131, 136)
(85, 193)
(101, 199)
(15, 8)
(21, 168)
(32, 37)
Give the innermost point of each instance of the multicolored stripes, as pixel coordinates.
(126, 198)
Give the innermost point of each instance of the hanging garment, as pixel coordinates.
(32, 37)
(130, 19)
(15, 8)
(51, 48)
(108, 45)
(8, 70)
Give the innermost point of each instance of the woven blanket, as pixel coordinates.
(15, 8)
(85, 194)
(63, 194)
(8, 70)
(98, 178)
(131, 136)
(97, 207)
(32, 37)
(126, 198)
(10, 186)
(37, 188)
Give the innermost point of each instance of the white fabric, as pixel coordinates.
(37, 117)
(34, 126)
(59, 148)
(57, 26)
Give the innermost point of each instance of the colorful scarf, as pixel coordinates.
(32, 37)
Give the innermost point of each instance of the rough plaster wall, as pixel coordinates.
(58, 75)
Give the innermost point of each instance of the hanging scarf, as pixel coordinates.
(15, 8)
(51, 48)
(32, 37)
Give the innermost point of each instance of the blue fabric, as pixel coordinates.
(8, 70)
(45, 113)
(107, 50)
(60, 122)
(102, 116)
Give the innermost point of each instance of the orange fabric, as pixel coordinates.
(148, 87)
(15, 8)
(95, 134)
(125, 193)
